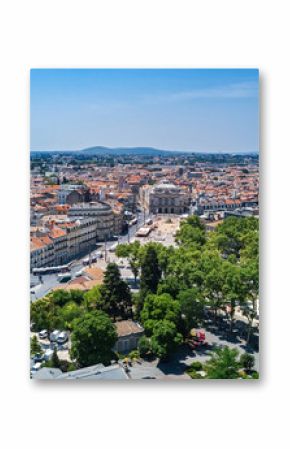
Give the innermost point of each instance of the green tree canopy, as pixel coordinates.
(35, 347)
(44, 314)
(159, 307)
(115, 294)
(150, 271)
(165, 338)
(132, 252)
(93, 298)
(93, 338)
(191, 309)
(69, 312)
(223, 364)
(247, 361)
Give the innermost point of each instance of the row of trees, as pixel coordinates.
(219, 270)
(215, 269)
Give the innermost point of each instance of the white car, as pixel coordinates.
(62, 338)
(43, 334)
(54, 335)
(36, 366)
(47, 354)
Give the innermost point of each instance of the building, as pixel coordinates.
(41, 251)
(95, 372)
(101, 212)
(81, 236)
(71, 194)
(129, 333)
(166, 198)
(62, 239)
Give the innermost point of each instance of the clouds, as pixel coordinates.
(202, 109)
(247, 89)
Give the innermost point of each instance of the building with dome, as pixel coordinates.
(167, 198)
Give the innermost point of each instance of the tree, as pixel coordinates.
(191, 231)
(223, 364)
(54, 362)
(187, 234)
(247, 361)
(233, 288)
(191, 309)
(157, 308)
(35, 347)
(132, 252)
(231, 234)
(69, 312)
(165, 339)
(93, 338)
(250, 280)
(150, 272)
(213, 286)
(170, 285)
(60, 297)
(44, 314)
(115, 294)
(144, 346)
(93, 299)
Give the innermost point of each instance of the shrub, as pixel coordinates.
(144, 346)
(134, 354)
(193, 374)
(196, 366)
(247, 361)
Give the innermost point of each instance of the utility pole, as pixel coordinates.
(105, 247)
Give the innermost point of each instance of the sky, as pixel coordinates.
(204, 110)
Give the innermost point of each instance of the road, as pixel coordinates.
(50, 281)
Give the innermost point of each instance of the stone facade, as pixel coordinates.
(103, 214)
(168, 199)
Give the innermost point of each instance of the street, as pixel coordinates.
(50, 281)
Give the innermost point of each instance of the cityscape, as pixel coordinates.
(144, 260)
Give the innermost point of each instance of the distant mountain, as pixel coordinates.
(131, 151)
(136, 151)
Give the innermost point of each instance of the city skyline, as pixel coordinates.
(199, 110)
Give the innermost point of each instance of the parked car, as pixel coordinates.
(47, 354)
(79, 273)
(36, 366)
(54, 335)
(64, 277)
(43, 334)
(62, 338)
(38, 357)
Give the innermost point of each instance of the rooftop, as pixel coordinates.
(128, 327)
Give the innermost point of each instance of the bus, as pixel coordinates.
(50, 270)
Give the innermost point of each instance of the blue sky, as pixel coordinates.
(176, 109)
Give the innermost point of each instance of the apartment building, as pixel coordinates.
(102, 213)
